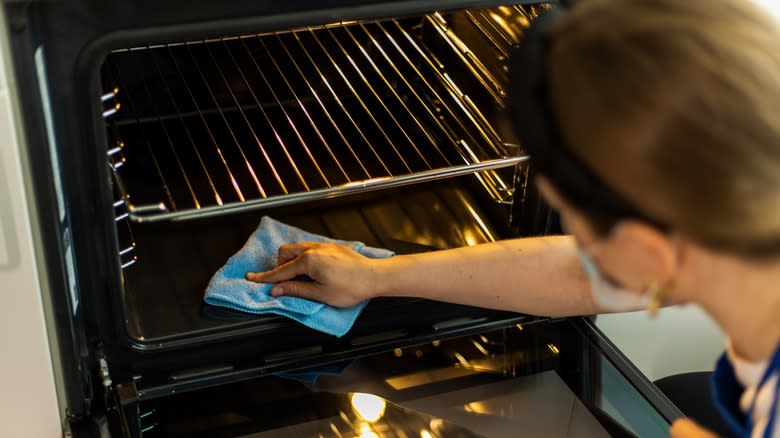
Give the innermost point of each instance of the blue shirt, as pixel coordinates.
(749, 408)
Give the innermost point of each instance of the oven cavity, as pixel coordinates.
(212, 127)
(205, 137)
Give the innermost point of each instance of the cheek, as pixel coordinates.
(628, 268)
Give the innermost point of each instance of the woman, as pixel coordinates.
(667, 176)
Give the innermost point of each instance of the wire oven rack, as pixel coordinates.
(220, 126)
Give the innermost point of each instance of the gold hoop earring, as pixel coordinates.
(656, 292)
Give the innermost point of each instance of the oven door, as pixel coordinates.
(555, 379)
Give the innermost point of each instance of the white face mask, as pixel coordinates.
(608, 296)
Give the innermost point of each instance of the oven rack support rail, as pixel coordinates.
(159, 212)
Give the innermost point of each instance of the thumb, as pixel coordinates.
(309, 290)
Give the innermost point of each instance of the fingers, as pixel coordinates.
(289, 251)
(300, 289)
(289, 264)
(685, 428)
(284, 272)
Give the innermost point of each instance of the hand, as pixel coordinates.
(340, 276)
(685, 428)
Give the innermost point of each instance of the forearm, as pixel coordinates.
(539, 276)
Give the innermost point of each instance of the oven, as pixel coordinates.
(157, 135)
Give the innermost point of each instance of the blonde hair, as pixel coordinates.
(675, 105)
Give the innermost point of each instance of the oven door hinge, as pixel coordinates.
(135, 423)
(90, 423)
(123, 399)
(66, 430)
(105, 375)
(126, 396)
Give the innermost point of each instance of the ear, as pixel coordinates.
(641, 251)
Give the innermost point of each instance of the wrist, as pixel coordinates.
(385, 273)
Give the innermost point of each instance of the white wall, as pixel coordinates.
(773, 6)
(28, 404)
(680, 339)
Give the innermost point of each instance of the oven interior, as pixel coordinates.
(390, 131)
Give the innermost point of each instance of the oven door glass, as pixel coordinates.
(558, 379)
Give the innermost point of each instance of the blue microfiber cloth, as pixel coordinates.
(230, 288)
(311, 375)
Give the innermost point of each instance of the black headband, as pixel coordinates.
(536, 127)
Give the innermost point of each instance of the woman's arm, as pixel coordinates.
(539, 276)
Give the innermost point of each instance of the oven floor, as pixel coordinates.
(164, 289)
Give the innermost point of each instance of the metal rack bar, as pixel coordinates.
(459, 144)
(149, 214)
(217, 149)
(249, 167)
(356, 95)
(194, 113)
(528, 16)
(336, 98)
(499, 28)
(248, 123)
(339, 23)
(400, 100)
(319, 101)
(195, 200)
(478, 120)
(411, 89)
(471, 61)
(379, 99)
(284, 111)
(486, 33)
(424, 79)
(270, 124)
(186, 129)
(430, 88)
(474, 115)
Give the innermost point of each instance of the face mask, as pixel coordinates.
(608, 296)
